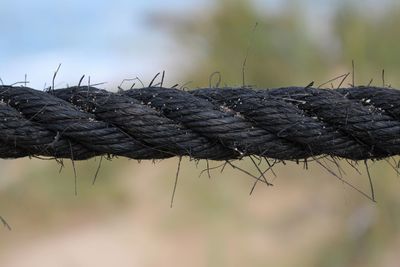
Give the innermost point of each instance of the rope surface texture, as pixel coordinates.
(289, 123)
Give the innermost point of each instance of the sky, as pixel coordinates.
(106, 40)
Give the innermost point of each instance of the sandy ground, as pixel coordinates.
(214, 222)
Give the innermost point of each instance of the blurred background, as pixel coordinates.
(308, 218)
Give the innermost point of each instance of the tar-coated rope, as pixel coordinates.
(213, 123)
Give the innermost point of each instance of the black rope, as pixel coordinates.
(213, 123)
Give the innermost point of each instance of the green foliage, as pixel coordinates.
(283, 50)
(279, 52)
(371, 40)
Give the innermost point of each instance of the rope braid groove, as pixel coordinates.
(290, 123)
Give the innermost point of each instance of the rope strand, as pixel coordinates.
(289, 123)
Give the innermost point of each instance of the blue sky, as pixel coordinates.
(108, 40)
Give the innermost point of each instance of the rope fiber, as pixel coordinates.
(289, 123)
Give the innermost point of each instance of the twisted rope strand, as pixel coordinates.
(212, 123)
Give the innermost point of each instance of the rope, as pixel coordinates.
(220, 124)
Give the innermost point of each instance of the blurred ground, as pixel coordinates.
(308, 218)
